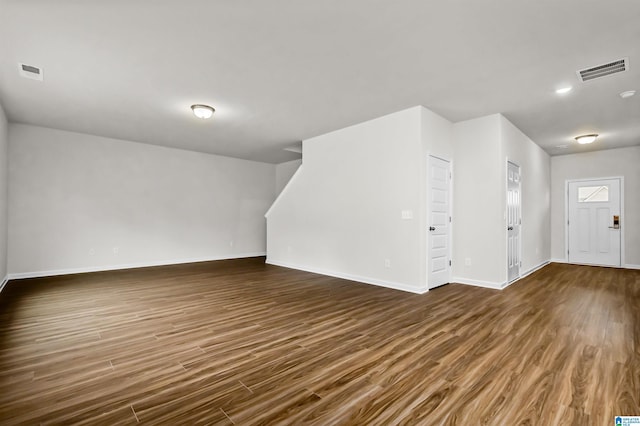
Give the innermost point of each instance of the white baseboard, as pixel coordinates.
(38, 274)
(496, 285)
(479, 283)
(625, 266)
(4, 282)
(365, 280)
(535, 268)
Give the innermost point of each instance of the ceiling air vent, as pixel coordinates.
(603, 70)
(30, 71)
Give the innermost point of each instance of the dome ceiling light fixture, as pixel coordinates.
(585, 139)
(202, 111)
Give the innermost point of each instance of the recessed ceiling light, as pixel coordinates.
(627, 94)
(563, 90)
(562, 146)
(585, 139)
(202, 111)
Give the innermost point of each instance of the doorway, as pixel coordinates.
(594, 222)
(439, 222)
(514, 221)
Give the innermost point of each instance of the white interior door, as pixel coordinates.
(513, 221)
(439, 222)
(594, 222)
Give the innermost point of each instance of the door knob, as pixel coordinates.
(431, 228)
(510, 228)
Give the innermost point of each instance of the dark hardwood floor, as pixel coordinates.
(241, 342)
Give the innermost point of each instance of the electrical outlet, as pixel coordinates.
(92, 251)
(407, 214)
(467, 261)
(387, 263)
(231, 243)
(116, 250)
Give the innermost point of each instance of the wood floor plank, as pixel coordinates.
(242, 342)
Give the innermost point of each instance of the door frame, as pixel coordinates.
(506, 236)
(566, 215)
(426, 216)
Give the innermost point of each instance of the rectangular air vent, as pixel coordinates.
(602, 70)
(30, 71)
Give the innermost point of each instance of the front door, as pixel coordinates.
(439, 222)
(594, 222)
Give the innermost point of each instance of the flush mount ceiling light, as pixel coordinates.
(563, 90)
(585, 139)
(202, 111)
(627, 94)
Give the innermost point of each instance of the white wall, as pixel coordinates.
(342, 214)
(284, 172)
(608, 163)
(479, 234)
(535, 171)
(4, 143)
(74, 197)
(481, 149)
(437, 134)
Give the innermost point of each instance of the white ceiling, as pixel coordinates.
(281, 71)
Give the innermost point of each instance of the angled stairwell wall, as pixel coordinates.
(341, 213)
